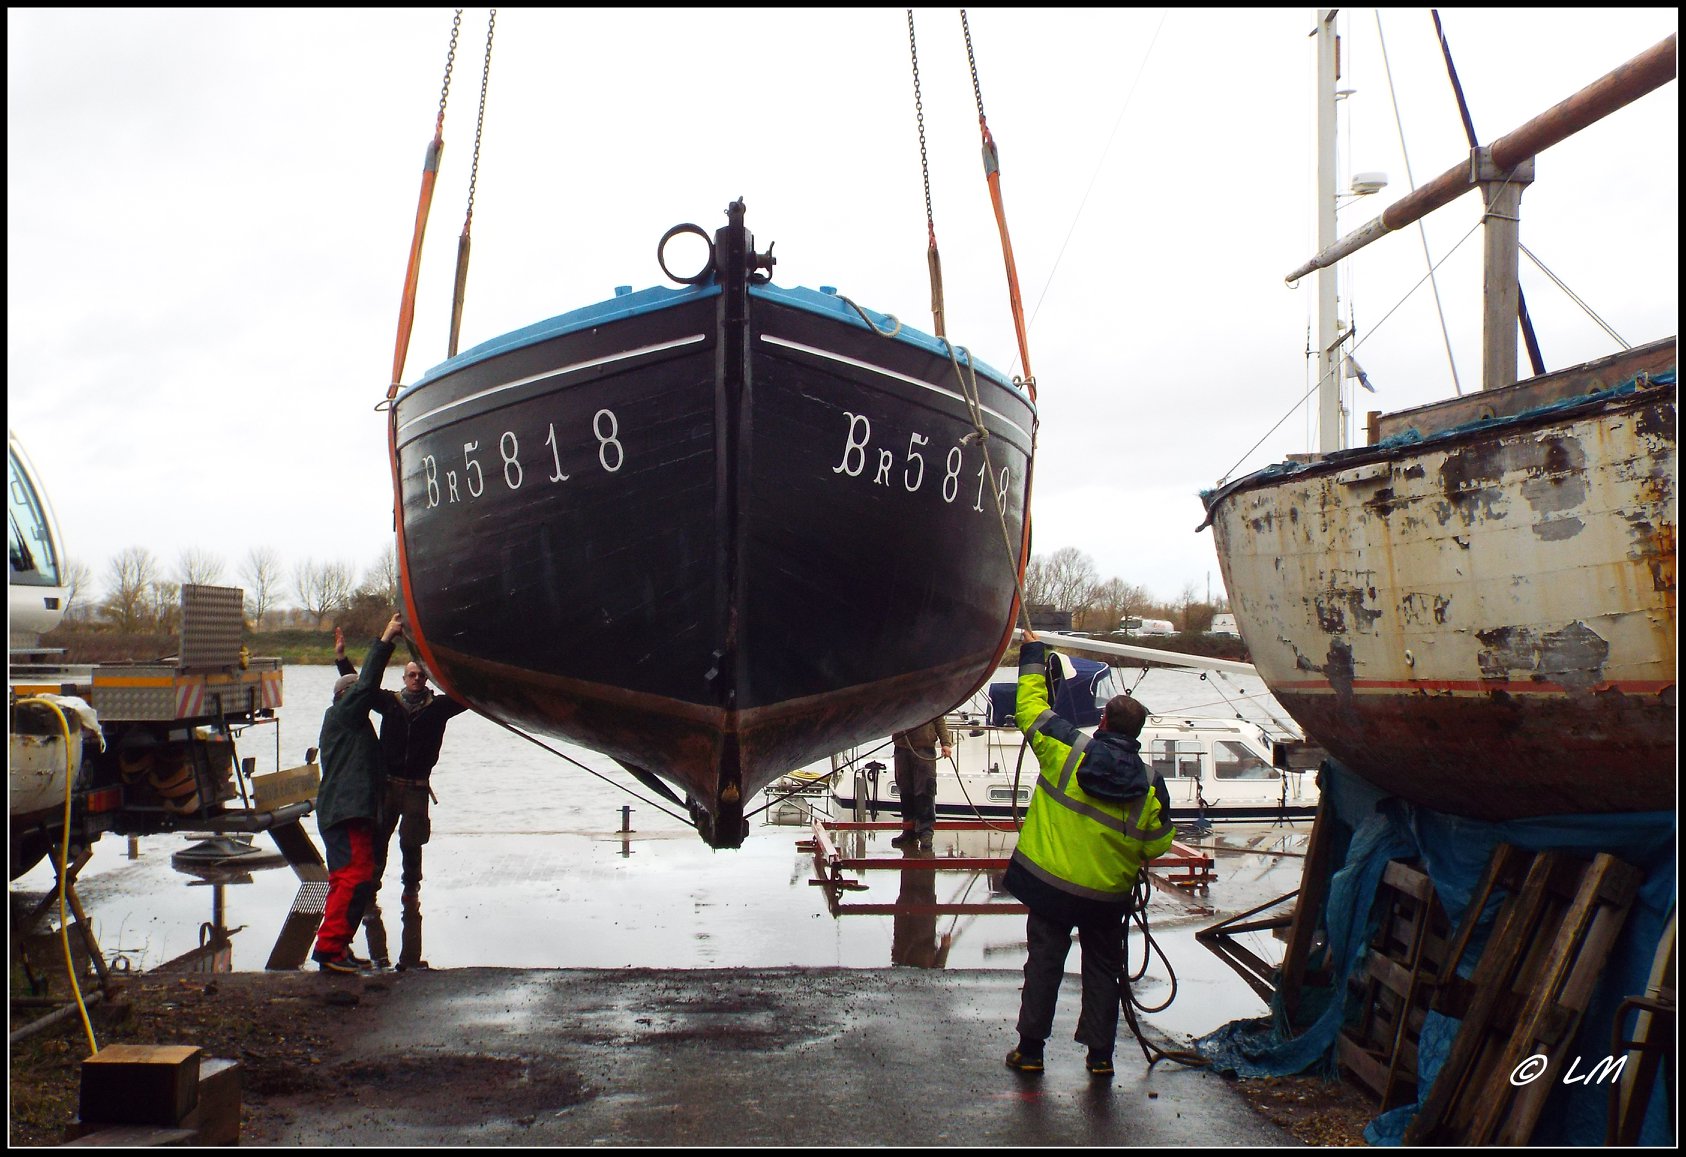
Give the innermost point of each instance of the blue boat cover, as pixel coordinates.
(1075, 701)
(1454, 851)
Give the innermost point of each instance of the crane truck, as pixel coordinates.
(137, 748)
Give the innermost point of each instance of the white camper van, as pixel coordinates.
(1223, 625)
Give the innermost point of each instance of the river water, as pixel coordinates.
(529, 867)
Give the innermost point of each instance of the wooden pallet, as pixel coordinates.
(1393, 990)
(1550, 942)
(1301, 965)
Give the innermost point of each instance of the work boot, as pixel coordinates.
(344, 963)
(1024, 1060)
(906, 840)
(1100, 1066)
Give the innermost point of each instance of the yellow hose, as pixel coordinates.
(64, 867)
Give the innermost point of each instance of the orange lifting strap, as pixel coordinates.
(407, 307)
(430, 173)
(992, 171)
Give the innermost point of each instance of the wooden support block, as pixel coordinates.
(134, 1136)
(140, 1085)
(277, 789)
(1308, 915)
(215, 1120)
(1362, 1063)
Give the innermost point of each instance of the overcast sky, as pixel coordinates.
(209, 214)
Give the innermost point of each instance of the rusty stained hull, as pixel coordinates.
(1482, 623)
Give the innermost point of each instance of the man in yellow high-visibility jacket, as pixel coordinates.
(1096, 817)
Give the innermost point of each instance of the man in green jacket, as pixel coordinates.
(348, 804)
(1096, 817)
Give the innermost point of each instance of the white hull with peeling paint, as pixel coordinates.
(1482, 620)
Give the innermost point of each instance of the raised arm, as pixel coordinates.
(361, 694)
(341, 663)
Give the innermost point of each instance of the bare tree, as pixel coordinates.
(381, 579)
(1187, 600)
(1113, 600)
(163, 599)
(198, 567)
(78, 590)
(322, 588)
(261, 573)
(130, 579)
(1064, 580)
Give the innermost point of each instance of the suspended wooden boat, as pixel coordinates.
(714, 532)
(1477, 611)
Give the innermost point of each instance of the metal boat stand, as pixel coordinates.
(298, 931)
(84, 933)
(1259, 973)
(66, 877)
(1179, 872)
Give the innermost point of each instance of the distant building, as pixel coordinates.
(1043, 617)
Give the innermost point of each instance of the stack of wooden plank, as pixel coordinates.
(1560, 917)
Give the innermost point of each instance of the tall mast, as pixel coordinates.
(1330, 427)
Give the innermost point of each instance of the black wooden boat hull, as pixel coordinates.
(715, 533)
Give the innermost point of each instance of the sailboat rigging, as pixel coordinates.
(1476, 612)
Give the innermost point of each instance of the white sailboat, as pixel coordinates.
(1230, 768)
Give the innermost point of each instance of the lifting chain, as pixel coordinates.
(932, 257)
(460, 291)
(450, 61)
(972, 63)
(480, 125)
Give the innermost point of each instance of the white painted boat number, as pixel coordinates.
(447, 484)
(611, 455)
(857, 442)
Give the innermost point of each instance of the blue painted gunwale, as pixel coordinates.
(657, 298)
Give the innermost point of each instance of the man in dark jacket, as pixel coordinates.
(916, 779)
(348, 804)
(1096, 818)
(412, 731)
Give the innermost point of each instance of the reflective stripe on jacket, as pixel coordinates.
(1078, 843)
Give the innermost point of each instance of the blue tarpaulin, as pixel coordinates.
(1454, 852)
(1075, 700)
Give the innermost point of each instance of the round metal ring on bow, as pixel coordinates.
(701, 275)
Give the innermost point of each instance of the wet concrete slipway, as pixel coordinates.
(638, 988)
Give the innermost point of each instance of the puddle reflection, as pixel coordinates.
(555, 871)
(409, 939)
(913, 939)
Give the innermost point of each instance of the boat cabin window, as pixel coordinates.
(1005, 795)
(1233, 760)
(1172, 758)
(29, 546)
